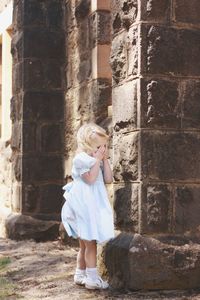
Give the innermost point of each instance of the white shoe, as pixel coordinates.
(98, 283)
(79, 279)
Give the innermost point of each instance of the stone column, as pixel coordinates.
(37, 112)
(156, 109)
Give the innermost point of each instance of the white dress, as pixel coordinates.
(86, 213)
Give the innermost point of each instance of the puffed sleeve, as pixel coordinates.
(83, 163)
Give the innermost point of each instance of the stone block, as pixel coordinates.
(160, 104)
(17, 77)
(125, 48)
(43, 44)
(42, 74)
(82, 9)
(51, 199)
(43, 106)
(21, 227)
(170, 156)
(187, 11)
(136, 262)
(16, 138)
(33, 13)
(124, 13)
(101, 97)
(17, 16)
(42, 168)
(17, 167)
(16, 108)
(100, 24)
(187, 210)
(125, 106)
(125, 160)
(17, 47)
(30, 198)
(190, 94)
(156, 208)
(51, 138)
(55, 14)
(126, 207)
(155, 10)
(169, 51)
(29, 133)
(100, 62)
(84, 70)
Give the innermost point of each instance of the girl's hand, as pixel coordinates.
(106, 155)
(99, 154)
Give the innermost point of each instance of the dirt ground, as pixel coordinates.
(45, 271)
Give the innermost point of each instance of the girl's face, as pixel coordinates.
(99, 141)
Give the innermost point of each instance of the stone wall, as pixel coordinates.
(156, 73)
(88, 73)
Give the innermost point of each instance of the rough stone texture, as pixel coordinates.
(126, 207)
(100, 29)
(160, 104)
(187, 11)
(124, 55)
(138, 262)
(187, 210)
(169, 51)
(124, 13)
(158, 10)
(125, 107)
(156, 208)
(20, 227)
(125, 163)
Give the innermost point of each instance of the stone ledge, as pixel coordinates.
(136, 262)
(21, 227)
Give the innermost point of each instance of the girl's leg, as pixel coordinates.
(90, 254)
(80, 273)
(81, 256)
(93, 280)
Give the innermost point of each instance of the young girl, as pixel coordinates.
(87, 214)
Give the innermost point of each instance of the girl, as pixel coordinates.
(87, 214)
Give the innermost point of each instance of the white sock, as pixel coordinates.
(80, 271)
(92, 273)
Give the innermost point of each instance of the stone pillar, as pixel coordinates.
(156, 90)
(37, 112)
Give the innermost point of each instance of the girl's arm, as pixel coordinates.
(107, 172)
(91, 176)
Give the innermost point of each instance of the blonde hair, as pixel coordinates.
(87, 135)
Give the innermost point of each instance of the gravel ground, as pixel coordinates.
(45, 271)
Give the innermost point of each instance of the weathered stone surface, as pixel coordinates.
(17, 46)
(125, 106)
(20, 227)
(190, 104)
(18, 77)
(125, 160)
(43, 44)
(42, 167)
(16, 165)
(51, 199)
(160, 104)
(30, 198)
(100, 22)
(187, 11)
(124, 48)
(170, 156)
(42, 74)
(16, 138)
(43, 106)
(126, 207)
(51, 138)
(169, 51)
(135, 262)
(124, 13)
(29, 133)
(187, 210)
(16, 108)
(158, 10)
(82, 9)
(156, 208)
